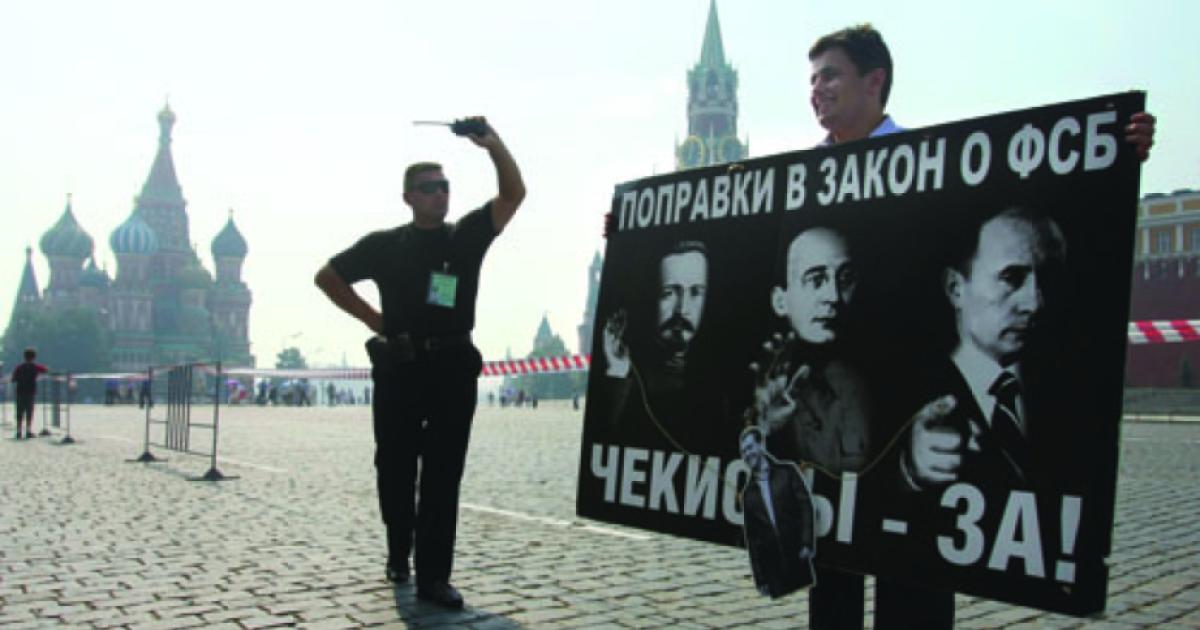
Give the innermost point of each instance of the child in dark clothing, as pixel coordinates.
(24, 377)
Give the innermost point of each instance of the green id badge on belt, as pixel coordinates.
(442, 289)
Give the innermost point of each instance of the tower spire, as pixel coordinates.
(161, 202)
(166, 122)
(712, 52)
(28, 297)
(28, 292)
(162, 185)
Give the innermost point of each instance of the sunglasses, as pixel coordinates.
(431, 186)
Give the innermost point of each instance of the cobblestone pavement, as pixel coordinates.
(89, 540)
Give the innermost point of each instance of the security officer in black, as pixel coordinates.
(424, 365)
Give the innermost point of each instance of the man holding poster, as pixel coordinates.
(851, 79)
(894, 202)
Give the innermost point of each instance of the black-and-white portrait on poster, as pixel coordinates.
(918, 338)
(779, 520)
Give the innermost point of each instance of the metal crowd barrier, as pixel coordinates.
(59, 389)
(177, 425)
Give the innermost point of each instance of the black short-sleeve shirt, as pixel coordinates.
(402, 262)
(25, 376)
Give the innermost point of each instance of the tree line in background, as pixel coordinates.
(72, 340)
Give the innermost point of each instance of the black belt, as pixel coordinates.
(432, 343)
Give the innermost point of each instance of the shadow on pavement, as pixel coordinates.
(411, 609)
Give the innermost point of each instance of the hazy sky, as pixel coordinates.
(297, 115)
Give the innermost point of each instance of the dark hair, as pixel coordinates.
(30, 354)
(964, 249)
(684, 247)
(415, 169)
(753, 428)
(865, 48)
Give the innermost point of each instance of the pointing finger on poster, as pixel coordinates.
(935, 447)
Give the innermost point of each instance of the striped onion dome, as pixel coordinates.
(134, 236)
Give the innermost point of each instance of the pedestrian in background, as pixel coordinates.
(24, 378)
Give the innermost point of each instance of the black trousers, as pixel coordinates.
(422, 412)
(25, 407)
(836, 603)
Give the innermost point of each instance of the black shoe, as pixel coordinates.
(397, 575)
(440, 593)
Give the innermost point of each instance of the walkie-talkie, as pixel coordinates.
(460, 127)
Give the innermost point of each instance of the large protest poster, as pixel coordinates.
(929, 327)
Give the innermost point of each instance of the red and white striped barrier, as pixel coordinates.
(542, 365)
(1164, 331)
(545, 365)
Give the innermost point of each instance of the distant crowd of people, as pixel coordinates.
(510, 396)
(514, 397)
(117, 392)
(300, 393)
(272, 392)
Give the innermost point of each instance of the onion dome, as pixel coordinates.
(134, 236)
(66, 238)
(229, 242)
(93, 276)
(193, 277)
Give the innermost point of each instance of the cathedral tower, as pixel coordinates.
(229, 301)
(26, 309)
(161, 204)
(587, 328)
(66, 246)
(131, 302)
(29, 297)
